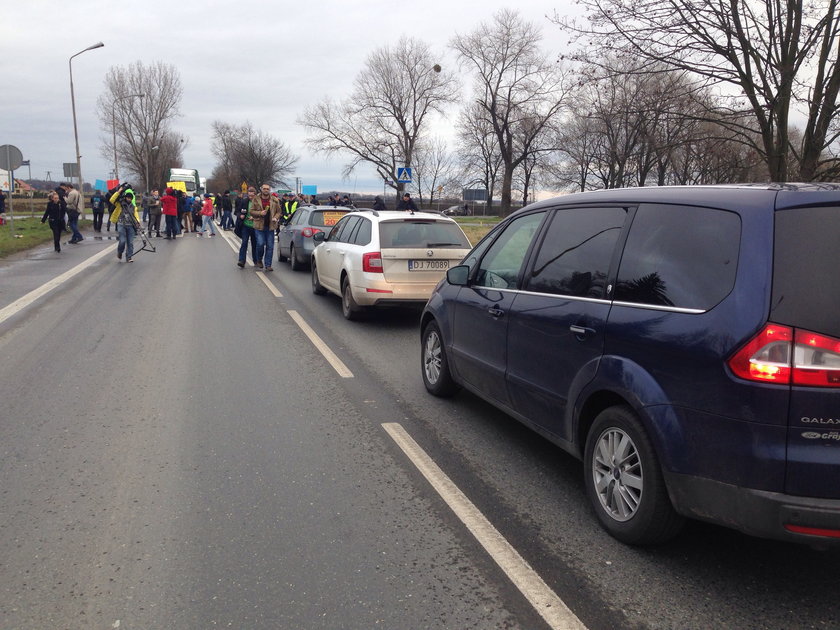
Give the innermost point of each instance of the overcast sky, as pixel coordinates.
(250, 60)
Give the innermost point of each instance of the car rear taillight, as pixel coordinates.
(816, 360)
(309, 232)
(372, 262)
(783, 355)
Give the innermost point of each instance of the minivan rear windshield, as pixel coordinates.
(420, 233)
(805, 269)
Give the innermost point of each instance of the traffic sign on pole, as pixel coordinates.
(404, 175)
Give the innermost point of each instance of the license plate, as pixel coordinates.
(428, 265)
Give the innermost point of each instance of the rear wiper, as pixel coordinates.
(442, 244)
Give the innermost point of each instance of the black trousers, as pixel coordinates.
(97, 220)
(57, 228)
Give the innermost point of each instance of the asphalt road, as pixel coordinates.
(174, 452)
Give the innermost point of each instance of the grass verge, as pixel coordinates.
(28, 233)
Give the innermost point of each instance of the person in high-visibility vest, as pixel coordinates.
(290, 206)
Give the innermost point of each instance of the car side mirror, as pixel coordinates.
(458, 275)
(319, 237)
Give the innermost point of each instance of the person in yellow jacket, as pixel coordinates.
(127, 220)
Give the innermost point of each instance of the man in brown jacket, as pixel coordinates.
(265, 211)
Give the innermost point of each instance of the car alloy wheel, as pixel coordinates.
(349, 308)
(293, 259)
(618, 474)
(317, 288)
(436, 375)
(624, 480)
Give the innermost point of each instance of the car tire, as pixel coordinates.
(293, 259)
(280, 256)
(349, 308)
(317, 288)
(624, 480)
(435, 364)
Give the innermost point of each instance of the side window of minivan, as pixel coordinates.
(499, 268)
(574, 257)
(679, 256)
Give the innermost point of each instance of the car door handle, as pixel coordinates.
(582, 332)
(495, 312)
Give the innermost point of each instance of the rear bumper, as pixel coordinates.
(756, 512)
(381, 293)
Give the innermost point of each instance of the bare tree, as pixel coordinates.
(381, 122)
(519, 89)
(777, 54)
(481, 159)
(435, 169)
(248, 155)
(145, 143)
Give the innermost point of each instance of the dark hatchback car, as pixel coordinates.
(684, 342)
(295, 242)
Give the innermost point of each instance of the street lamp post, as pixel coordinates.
(114, 128)
(75, 128)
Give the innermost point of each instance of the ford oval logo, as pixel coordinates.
(811, 435)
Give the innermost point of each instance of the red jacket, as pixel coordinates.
(170, 205)
(207, 209)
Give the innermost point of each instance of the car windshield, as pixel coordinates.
(421, 233)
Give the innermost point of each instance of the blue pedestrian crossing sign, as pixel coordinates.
(404, 175)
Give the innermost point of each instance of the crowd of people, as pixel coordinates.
(254, 216)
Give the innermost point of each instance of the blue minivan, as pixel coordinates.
(684, 342)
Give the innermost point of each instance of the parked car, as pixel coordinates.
(375, 258)
(295, 242)
(684, 342)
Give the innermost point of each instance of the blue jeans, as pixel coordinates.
(73, 224)
(207, 222)
(265, 246)
(126, 244)
(248, 235)
(227, 220)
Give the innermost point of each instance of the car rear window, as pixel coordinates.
(421, 233)
(326, 218)
(805, 265)
(680, 256)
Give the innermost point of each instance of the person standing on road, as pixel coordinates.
(227, 210)
(207, 211)
(187, 217)
(247, 227)
(127, 219)
(169, 203)
(73, 200)
(378, 204)
(265, 211)
(144, 203)
(55, 214)
(154, 213)
(97, 206)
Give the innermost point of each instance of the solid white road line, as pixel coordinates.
(545, 601)
(323, 348)
(21, 303)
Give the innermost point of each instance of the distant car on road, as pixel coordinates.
(295, 242)
(376, 258)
